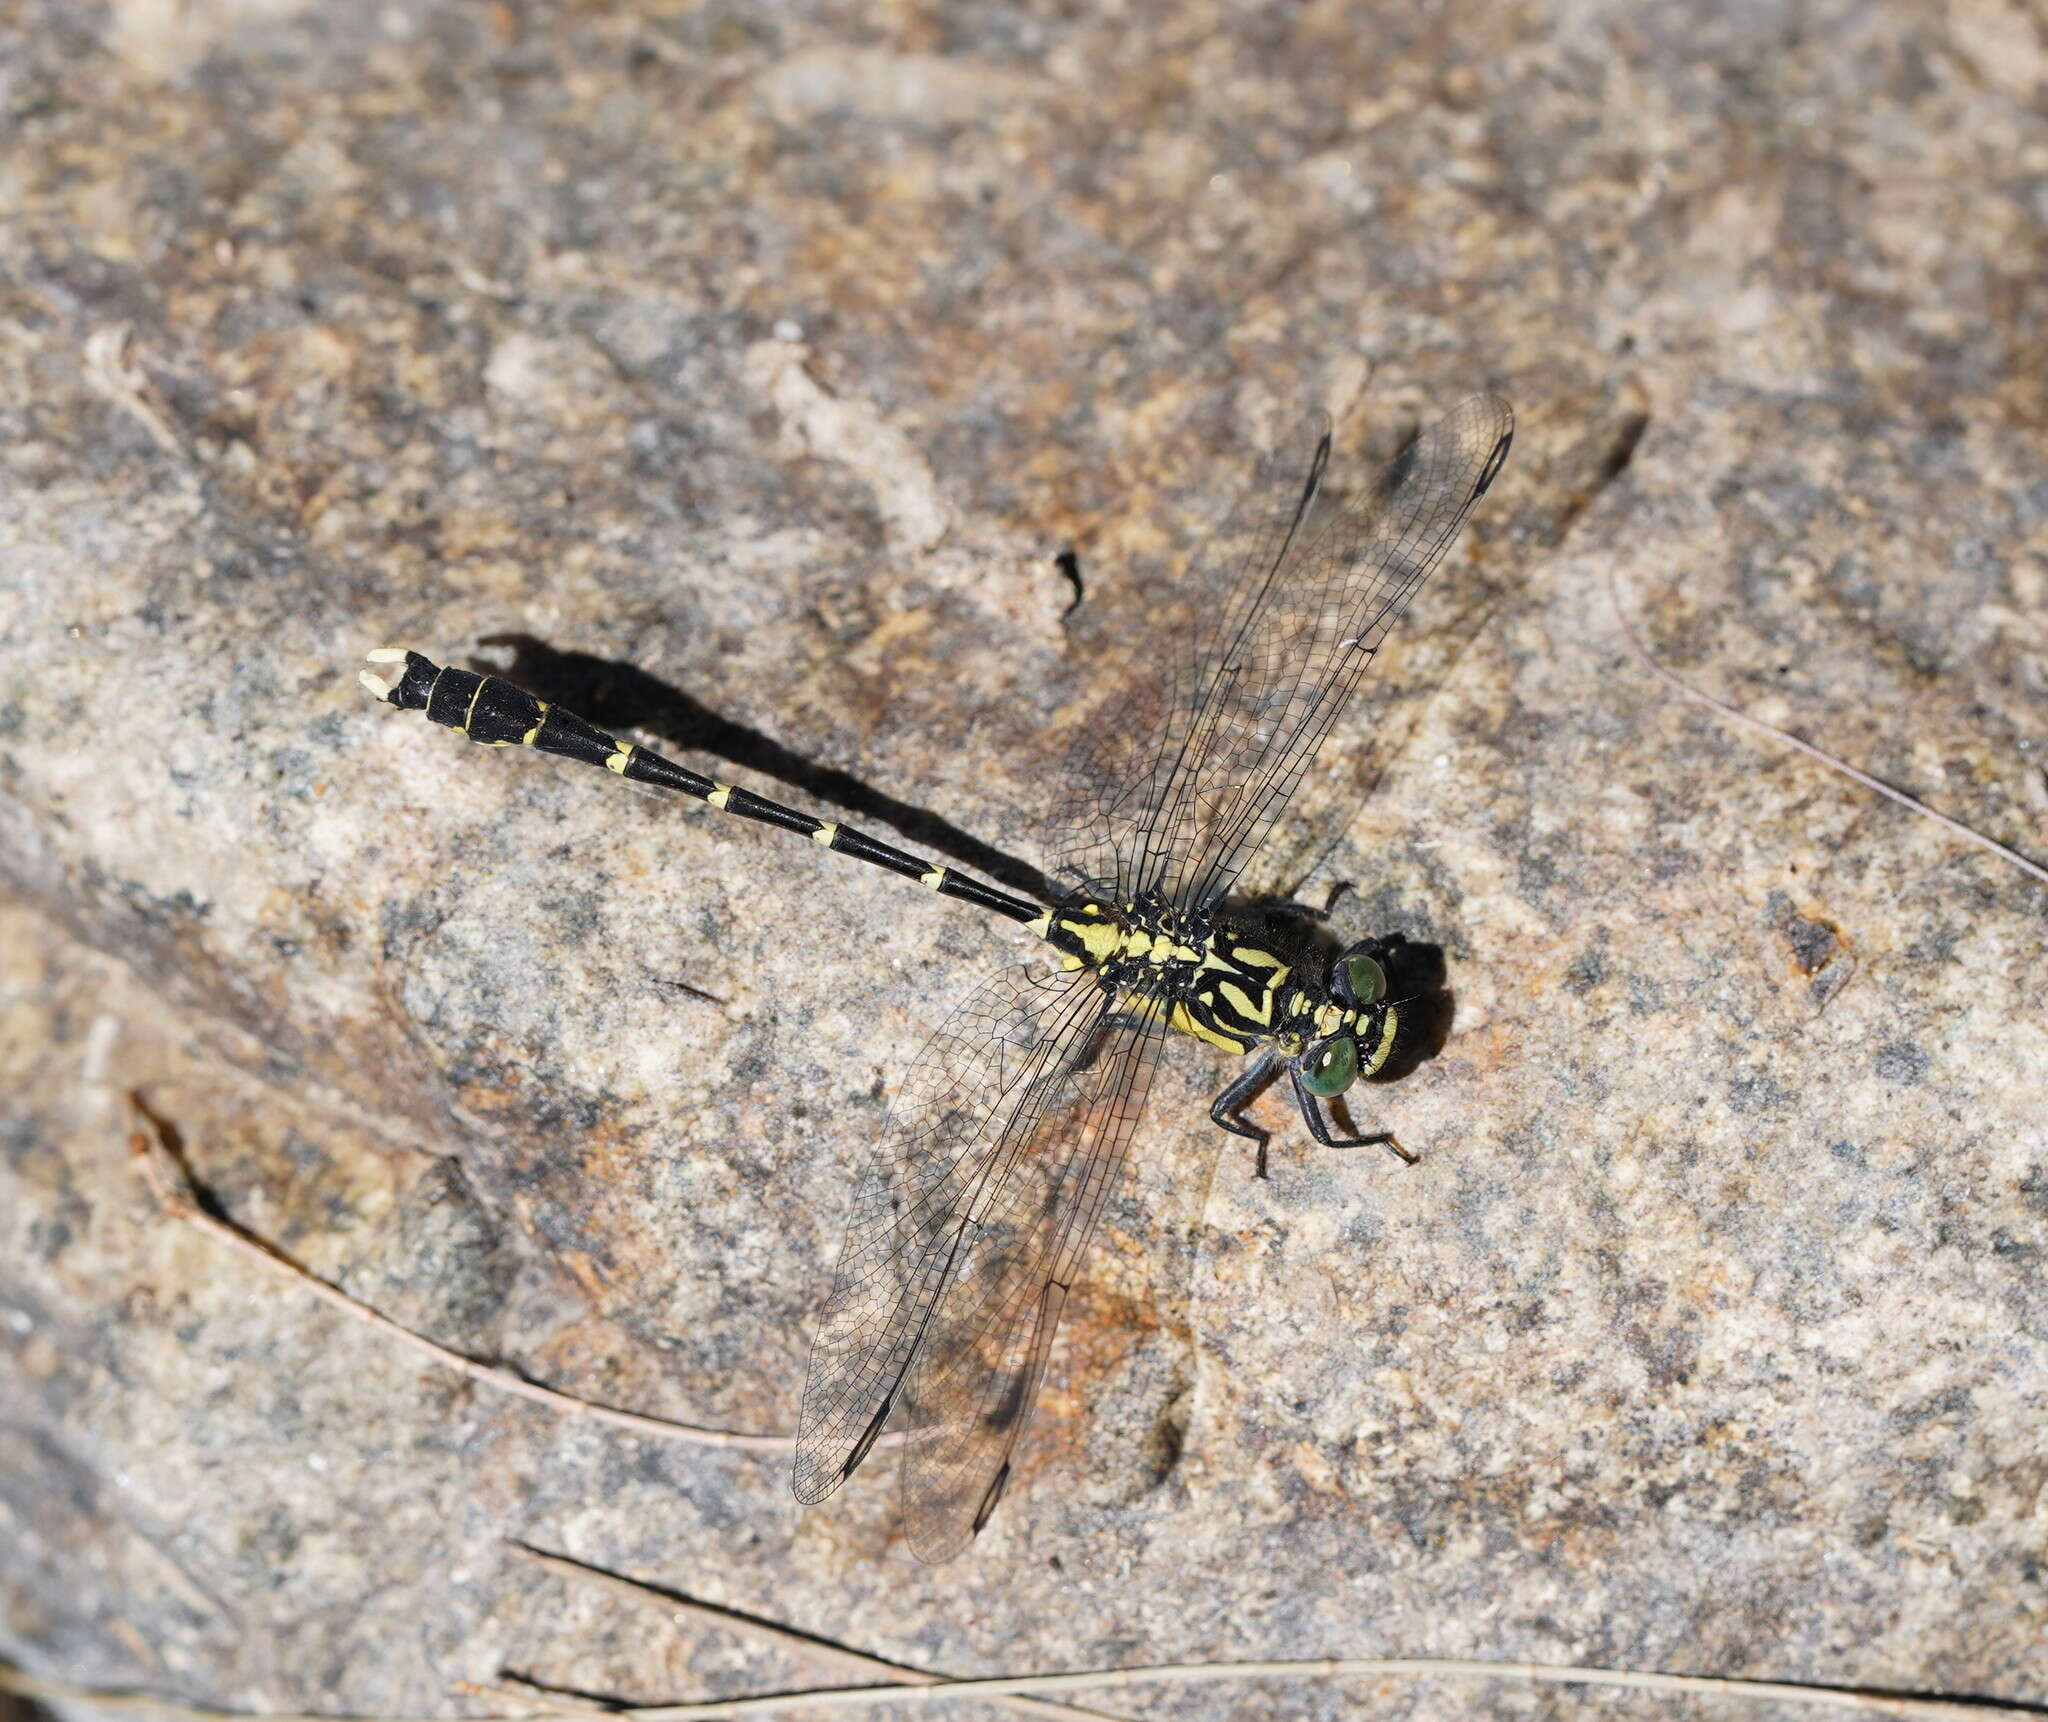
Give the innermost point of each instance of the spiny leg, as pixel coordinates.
(1090, 1049)
(1228, 1111)
(1289, 910)
(1320, 1129)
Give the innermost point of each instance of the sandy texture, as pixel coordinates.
(774, 354)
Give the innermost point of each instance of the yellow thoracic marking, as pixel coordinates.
(825, 833)
(1070, 963)
(1243, 957)
(1099, 939)
(1159, 949)
(1144, 1005)
(620, 760)
(720, 794)
(1042, 926)
(1187, 1024)
(935, 878)
(1182, 1021)
(1240, 1001)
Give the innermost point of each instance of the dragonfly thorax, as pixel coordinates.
(1145, 942)
(1204, 977)
(1215, 979)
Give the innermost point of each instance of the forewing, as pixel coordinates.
(940, 1148)
(1132, 747)
(1021, 1243)
(1294, 642)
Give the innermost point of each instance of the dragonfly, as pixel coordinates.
(972, 1213)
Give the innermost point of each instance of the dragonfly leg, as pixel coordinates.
(1111, 1021)
(1228, 1111)
(1293, 911)
(1320, 1129)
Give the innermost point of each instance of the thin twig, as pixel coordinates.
(819, 1651)
(1333, 1668)
(167, 1181)
(110, 374)
(1700, 697)
(1161, 1674)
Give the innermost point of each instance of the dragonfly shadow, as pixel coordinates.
(618, 696)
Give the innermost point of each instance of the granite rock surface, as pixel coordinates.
(755, 365)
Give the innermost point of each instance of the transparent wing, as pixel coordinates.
(988, 1088)
(1123, 763)
(973, 1386)
(1279, 670)
(1297, 597)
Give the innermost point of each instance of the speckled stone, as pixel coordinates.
(775, 353)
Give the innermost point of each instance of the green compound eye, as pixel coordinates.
(1367, 980)
(1330, 1066)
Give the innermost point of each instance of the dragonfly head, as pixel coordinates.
(1358, 1025)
